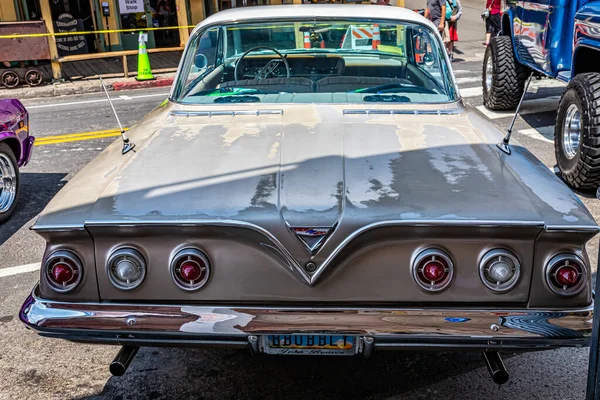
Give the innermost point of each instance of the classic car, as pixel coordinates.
(15, 151)
(295, 197)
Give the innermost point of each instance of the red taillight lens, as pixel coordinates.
(190, 269)
(433, 270)
(63, 270)
(566, 274)
(62, 273)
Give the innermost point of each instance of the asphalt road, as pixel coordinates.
(36, 368)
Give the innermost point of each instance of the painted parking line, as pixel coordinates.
(545, 133)
(21, 269)
(76, 137)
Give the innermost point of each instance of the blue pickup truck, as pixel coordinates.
(558, 39)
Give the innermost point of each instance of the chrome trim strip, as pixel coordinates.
(412, 327)
(573, 228)
(232, 113)
(452, 111)
(57, 228)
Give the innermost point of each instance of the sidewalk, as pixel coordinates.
(84, 86)
(83, 77)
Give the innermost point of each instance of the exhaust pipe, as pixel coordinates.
(121, 362)
(496, 367)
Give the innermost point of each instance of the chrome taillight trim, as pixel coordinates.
(62, 255)
(489, 257)
(558, 261)
(189, 252)
(133, 255)
(431, 253)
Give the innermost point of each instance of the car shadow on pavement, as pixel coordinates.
(165, 373)
(37, 189)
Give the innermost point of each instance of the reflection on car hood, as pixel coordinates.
(314, 166)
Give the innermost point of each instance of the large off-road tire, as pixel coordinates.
(9, 182)
(503, 78)
(577, 132)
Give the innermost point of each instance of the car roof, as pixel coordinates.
(313, 11)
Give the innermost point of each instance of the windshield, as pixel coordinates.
(315, 62)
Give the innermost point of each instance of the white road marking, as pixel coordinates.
(462, 72)
(467, 79)
(73, 103)
(471, 92)
(21, 269)
(125, 97)
(531, 106)
(545, 133)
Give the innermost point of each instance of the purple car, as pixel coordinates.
(15, 151)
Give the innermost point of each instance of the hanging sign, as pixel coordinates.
(131, 6)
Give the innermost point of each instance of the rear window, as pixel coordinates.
(308, 62)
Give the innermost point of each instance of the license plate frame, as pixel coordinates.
(311, 344)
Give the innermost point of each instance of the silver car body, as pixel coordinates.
(379, 183)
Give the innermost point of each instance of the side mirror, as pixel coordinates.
(200, 61)
(428, 59)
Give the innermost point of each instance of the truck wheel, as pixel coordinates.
(577, 132)
(503, 78)
(9, 182)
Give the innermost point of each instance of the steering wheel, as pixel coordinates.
(269, 67)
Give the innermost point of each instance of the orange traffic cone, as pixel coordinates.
(307, 40)
(376, 37)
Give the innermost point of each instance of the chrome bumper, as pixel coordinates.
(378, 328)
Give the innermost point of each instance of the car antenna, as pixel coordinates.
(127, 145)
(503, 145)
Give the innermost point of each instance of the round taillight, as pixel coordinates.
(190, 269)
(64, 271)
(499, 270)
(126, 268)
(433, 270)
(566, 274)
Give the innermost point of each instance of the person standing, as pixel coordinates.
(455, 15)
(436, 13)
(492, 22)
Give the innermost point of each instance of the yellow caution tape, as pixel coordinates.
(29, 35)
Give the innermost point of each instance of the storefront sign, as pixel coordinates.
(67, 45)
(131, 6)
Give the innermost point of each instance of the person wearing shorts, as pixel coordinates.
(492, 22)
(436, 12)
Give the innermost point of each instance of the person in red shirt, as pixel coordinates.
(492, 22)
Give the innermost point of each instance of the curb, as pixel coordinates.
(128, 85)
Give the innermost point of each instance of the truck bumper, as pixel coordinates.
(243, 327)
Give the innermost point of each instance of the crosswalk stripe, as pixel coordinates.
(471, 92)
(532, 106)
(464, 72)
(545, 133)
(468, 79)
